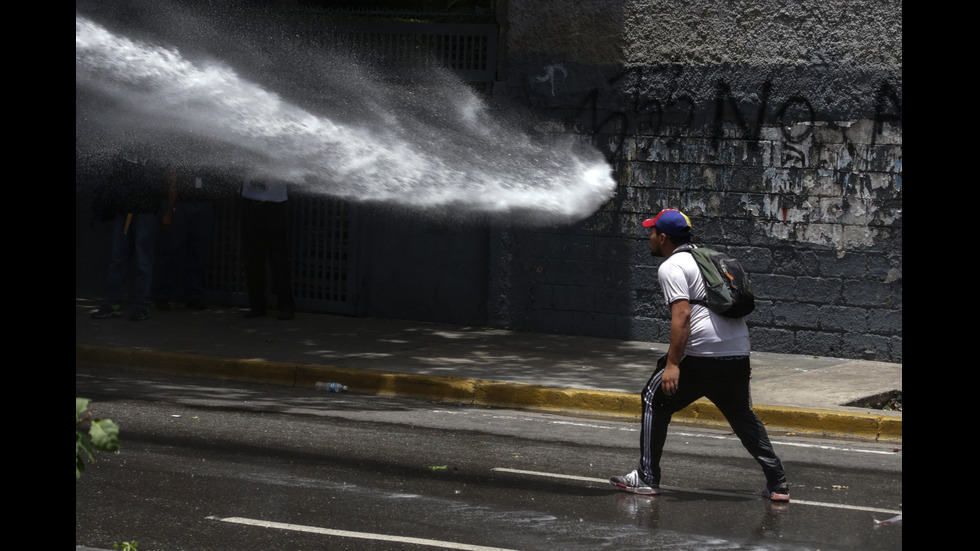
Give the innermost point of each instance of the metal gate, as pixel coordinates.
(322, 244)
(468, 49)
(324, 237)
(323, 230)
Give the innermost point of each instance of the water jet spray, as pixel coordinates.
(334, 127)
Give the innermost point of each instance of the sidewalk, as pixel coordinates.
(476, 365)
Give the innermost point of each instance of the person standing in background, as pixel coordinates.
(265, 238)
(138, 183)
(190, 203)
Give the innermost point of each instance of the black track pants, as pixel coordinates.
(723, 381)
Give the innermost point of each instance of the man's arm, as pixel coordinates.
(680, 329)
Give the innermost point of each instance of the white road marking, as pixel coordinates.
(836, 448)
(688, 490)
(360, 535)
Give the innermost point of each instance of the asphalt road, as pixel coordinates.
(223, 465)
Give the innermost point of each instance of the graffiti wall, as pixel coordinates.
(777, 128)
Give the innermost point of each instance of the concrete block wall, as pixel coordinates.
(789, 157)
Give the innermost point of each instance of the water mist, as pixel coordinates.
(324, 122)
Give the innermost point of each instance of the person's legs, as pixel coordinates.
(654, 420)
(167, 259)
(279, 258)
(144, 229)
(729, 391)
(200, 219)
(658, 408)
(122, 248)
(253, 255)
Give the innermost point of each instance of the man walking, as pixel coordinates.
(708, 357)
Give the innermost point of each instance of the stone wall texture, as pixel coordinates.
(776, 126)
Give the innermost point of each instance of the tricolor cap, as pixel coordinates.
(672, 222)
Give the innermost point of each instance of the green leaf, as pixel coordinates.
(79, 464)
(104, 434)
(83, 444)
(81, 404)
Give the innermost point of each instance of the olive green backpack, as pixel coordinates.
(729, 291)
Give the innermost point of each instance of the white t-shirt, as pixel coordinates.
(264, 190)
(711, 334)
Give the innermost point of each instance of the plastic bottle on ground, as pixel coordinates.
(332, 387)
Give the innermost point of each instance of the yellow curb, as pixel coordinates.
(820, 422)
(621, 405)
(556, 399)
(252, 370)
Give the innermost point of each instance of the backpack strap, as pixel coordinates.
(688, 248)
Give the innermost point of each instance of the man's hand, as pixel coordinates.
(680, 329)
(670, 378)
